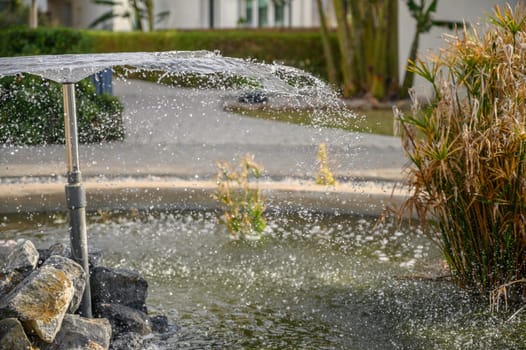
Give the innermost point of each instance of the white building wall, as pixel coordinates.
(184, 14)
(470, 11)
(228, 13)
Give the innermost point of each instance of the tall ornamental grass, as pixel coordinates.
(467, 150)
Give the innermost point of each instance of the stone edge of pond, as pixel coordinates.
(360, 197)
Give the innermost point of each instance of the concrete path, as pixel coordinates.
(174, 137)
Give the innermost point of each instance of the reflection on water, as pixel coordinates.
(314, 282)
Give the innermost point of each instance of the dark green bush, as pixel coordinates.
(31, 112)
(20, 41)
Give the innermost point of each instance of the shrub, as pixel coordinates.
(244, 207)
(31, 112)
(19, 41)
(468, 150)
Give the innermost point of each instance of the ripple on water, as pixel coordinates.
(314, 282)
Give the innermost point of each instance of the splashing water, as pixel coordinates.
(73, 68)
(315, 282)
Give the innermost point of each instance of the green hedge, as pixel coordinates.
(21, 41)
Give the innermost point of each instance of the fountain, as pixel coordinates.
(69, 69)
(326, 276)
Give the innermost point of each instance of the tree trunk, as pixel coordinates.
(33, 14)
(409, 76)
(149, 12)
(332, 74)
(379, 64)
(346, 51)
(393, 69)
(137, 14)
(359, 36)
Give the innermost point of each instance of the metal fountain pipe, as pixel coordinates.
(75, 194)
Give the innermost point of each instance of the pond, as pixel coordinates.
(314, 282)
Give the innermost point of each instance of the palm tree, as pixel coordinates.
(368, 44)
(33, 14)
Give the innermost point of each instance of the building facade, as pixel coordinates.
(224, 14)
(195, 14)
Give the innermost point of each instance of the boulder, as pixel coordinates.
(6, 246)
(81, 333)
(23, 258)
(9, 280)
(61, 249)
(94, 255)
(40, 301)
(127, 341)
(124, 319)
(12, 335)
(76, 274)
(160, 324)
(118, 286)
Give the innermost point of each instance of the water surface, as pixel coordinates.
(314, 282)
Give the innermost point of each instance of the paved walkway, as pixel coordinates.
(175, 136)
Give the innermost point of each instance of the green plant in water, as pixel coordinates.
(468, 154)
(324, 176)
(238, 191)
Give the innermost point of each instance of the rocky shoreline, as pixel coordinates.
(40, 294)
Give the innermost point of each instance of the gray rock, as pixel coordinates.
(160, 324)
(6, 246)
(9, 280)
(23, 258)
(79, 333)
(60, 249)
(76, 274)
(12, 335)
(94, 256)
(127, 341)
(118, 286)
(40, 301)
(124, 319)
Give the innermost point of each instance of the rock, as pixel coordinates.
(40, 301)
(118, 286)
(81, 333)
(127, 341)
(94, 256)
(44, 254)
(160, 324)
(124, 319)
(59, 249)
(76, 274)
(12, 336)
(9, 280)
(253, 97)
(23, 258)
(6, 246)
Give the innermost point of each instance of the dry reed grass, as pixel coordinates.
(467, 151)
